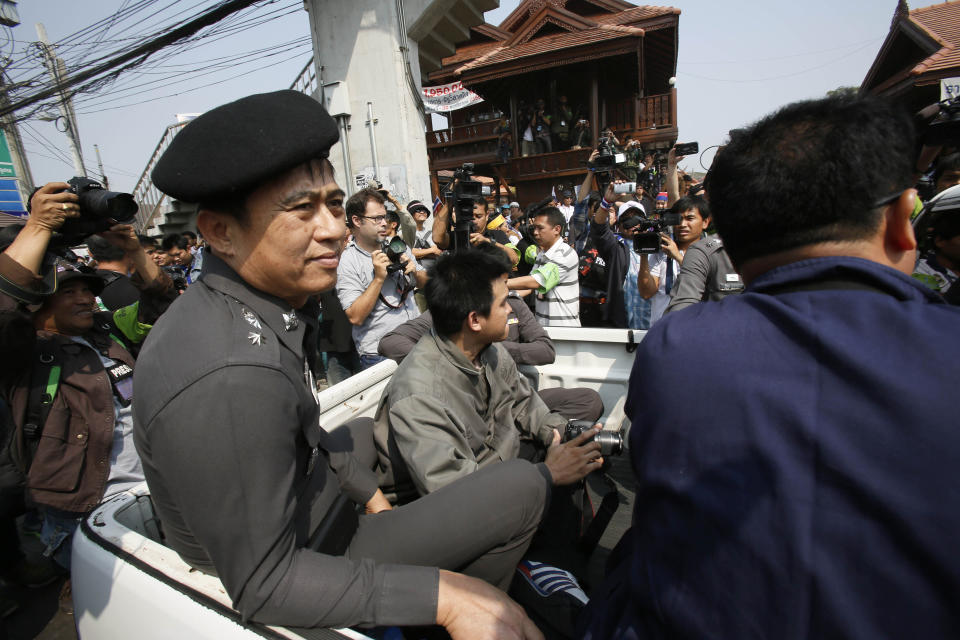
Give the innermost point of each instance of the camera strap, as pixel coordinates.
(404, 292)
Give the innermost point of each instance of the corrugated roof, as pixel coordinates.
(942, 23)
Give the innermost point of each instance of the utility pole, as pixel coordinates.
(57, 71)
(103, 176)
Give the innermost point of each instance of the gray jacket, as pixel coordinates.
(441, 418)
(706, 274)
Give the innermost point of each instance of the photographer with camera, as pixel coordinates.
(71, 399)
(457, 403)
(374, 277)
(658, 271)
(476, 224)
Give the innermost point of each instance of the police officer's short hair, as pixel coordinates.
(463, 282)
(810, 173)
(357, 203)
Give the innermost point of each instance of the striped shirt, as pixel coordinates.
(558, 298)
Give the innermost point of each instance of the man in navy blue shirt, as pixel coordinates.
(796, 448)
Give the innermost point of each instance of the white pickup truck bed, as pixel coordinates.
(126, 583)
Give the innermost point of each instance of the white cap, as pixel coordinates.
(515, 204)
(630, 204)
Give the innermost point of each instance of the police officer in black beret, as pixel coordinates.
(240, 471)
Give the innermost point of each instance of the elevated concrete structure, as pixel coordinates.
(371, 56)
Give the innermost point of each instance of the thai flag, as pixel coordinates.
(437, 204)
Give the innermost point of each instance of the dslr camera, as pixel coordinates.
(99, 210)
(611, 443)
(394, 248)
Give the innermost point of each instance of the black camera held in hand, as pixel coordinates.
(99, 210)
(605, 162)
(647, 238)
(611, 443)
(394, 248)
(466, 193)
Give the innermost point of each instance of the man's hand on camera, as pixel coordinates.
(51, 205)
(611, 195)
(123, 236)
(380, 264)
(570, 461)
(670, 247)
(673, 159)
(409, 266)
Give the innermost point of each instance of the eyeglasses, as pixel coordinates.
(376, 219)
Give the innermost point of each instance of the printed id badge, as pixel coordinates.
(121, 378)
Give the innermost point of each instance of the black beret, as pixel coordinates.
(237, 146)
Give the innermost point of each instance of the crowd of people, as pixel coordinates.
(798, 495)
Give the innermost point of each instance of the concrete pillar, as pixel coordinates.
(358, 43)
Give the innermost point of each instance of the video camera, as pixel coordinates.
(99, 210)
(606, 162)
(647, 238)
(466, 193)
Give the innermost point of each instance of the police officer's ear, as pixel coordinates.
(218, 229)
(899, 242)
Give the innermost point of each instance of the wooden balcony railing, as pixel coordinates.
(648, 112)
(463, 133)
(558, 163)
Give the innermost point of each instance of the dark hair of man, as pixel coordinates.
(950, 162)
(190, 234)
(945, 225)
(593, 200)
(103, 251)
(809, 173)
(554, 216)
(688, 203)
(356, 204)
(393, 218)
(146, 241)
(463, 282)
(172, 240)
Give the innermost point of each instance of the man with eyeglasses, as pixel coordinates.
(376, 296)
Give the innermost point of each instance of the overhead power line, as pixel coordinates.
(143, 51)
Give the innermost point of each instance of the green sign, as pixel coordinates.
(6, 161)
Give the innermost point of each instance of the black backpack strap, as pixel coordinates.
(44, 382)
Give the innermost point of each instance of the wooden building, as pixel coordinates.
(611, 59)
(921, 49)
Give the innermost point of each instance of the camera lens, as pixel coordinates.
(611, 443)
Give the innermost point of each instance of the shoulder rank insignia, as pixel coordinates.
(251, 319)
(290, 321)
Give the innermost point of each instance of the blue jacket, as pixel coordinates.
(797, 454)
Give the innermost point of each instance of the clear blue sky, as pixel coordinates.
(738, 60)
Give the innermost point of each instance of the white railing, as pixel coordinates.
(148, 197)
(306, 82)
